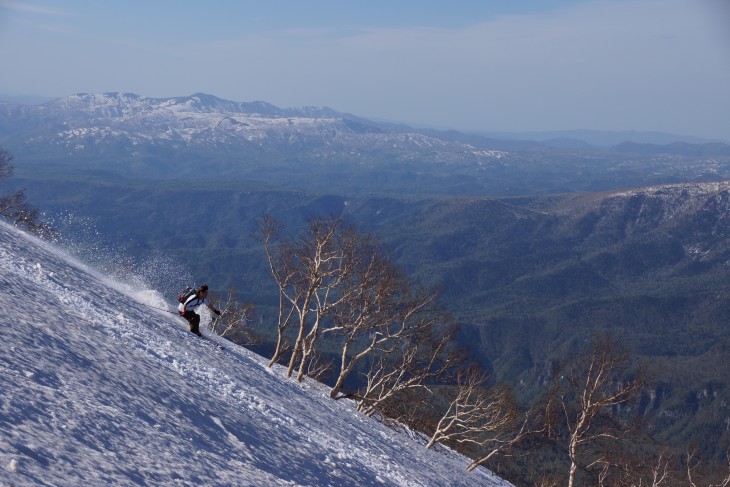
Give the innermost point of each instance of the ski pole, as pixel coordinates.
(159, 309)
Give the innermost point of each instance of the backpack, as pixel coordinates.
(184, 295)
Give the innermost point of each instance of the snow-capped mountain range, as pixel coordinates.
(320, 149)
(102, 385)
(205, 121)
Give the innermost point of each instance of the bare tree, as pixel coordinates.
(14, 206)
(662, 470)
(309, 272)
(377, 310)
(503, 439)
(595, 383)
(656, 473)
(318, 368)
(476, 414)
(335, 282)
(283, 269)
(315, 269)
(483, 417)
(343, 255)
(234, 321)
(621, 469)
(693, 462)
(548, 481)
(418, 354)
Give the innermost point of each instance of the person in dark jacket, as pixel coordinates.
(188, 308)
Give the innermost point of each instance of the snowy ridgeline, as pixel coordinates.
(99, 389)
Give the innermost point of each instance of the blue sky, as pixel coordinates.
(518, 65)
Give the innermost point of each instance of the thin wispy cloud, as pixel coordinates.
(32, 16)
(604, 64)
(34, 9)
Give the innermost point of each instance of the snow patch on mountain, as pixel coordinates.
(202, 120)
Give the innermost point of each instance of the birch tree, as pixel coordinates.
(316, 261)
(327, 278)
(282, 268)
(337, 283)
(596, 382)
(417, 355)
(693, 462)
(345, 253)
(477, 414)
(370, 319)
(484, 417)
(307, 270)
(234, 321)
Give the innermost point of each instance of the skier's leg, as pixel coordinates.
(195, 324)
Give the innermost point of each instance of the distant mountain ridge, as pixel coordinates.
(321, 149)
(602, 138)
(126, 122)
(130, 106)
(558, 138)
(709, 149)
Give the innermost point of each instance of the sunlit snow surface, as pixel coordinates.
(97, 388)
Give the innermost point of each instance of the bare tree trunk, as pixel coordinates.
(345, 369)
(278, 349)
(280, 327)
(308, 346)
(572, 453)
(300, 337)
(347, 366)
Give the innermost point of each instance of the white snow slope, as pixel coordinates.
(98, 389)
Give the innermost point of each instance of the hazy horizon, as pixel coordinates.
(525, 66)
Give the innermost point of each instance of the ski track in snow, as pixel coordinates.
(100, 389)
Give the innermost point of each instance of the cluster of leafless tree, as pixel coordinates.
(337, 283)
(14, 207)
(339, 291)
